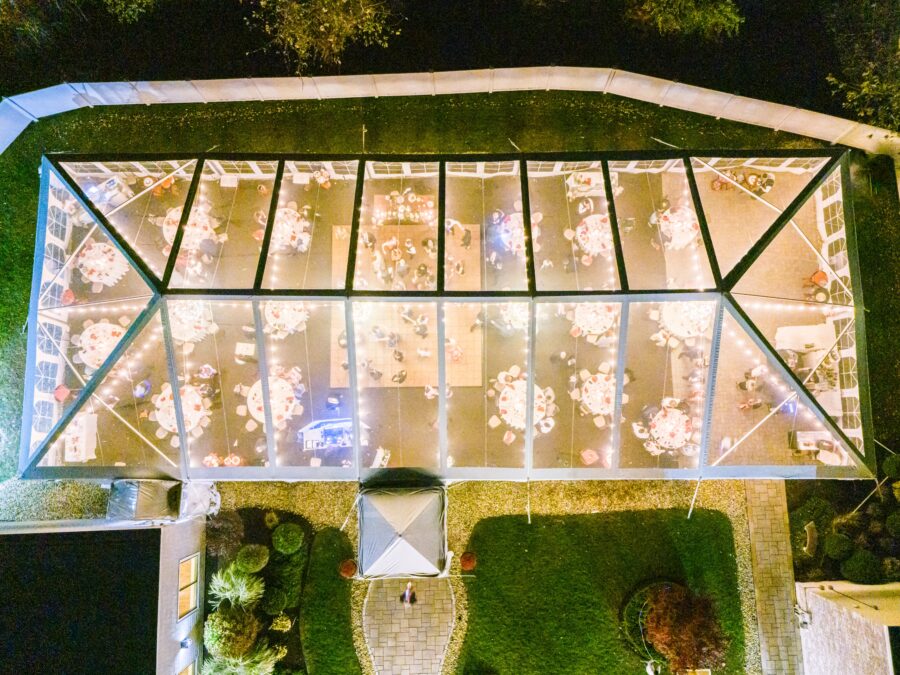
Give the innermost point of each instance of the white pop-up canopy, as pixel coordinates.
(402, 532)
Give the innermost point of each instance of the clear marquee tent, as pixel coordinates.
(403, 532)
(609, 315)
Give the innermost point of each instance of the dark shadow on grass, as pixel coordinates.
(550, 592)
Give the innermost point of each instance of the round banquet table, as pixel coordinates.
(290, 230)
(191, 320)
(512, 404)
(281, 400)
(598, 393)
(199, 228)
(515, 314)
(593, 318)
(284, 317)
(101, 263)
(192, 407)
(686, 319)
(594, 236)
(679, 228)
(671, 428)
(97, 342)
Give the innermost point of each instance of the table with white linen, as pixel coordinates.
(97, 342)
(101, 263)
(679, 228)
(686, 319)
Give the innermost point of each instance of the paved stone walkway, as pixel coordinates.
(408, 640)
(773, 577)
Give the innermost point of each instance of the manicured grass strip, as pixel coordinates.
(325, 623)
(545, 597)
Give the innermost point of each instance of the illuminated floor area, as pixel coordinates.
(307, 318)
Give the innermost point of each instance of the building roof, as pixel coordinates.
(80, 602)
(683, 314)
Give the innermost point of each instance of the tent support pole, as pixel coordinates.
(528, 499)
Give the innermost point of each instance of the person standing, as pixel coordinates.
(408, 596)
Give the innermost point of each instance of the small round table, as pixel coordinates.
(97, 342)
(671, 429)
(512, 404)
(281, 399)
(101, 263)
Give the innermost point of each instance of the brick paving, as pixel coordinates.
(408, 640)
(773, 577)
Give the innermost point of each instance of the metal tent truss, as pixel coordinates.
(145, 399)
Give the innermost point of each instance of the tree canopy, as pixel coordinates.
(707, 19)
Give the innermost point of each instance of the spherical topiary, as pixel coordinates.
(893, 524)
(875, 527)
(863, 567)
(252, 558)
(838, 546)
(467, 561)
(287, 538)
(229, 633)
(281, 623)
(271, 520)
(274, 601)
(891, 466)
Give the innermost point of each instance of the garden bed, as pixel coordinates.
(551, 591)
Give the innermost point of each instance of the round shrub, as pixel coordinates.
(893, 524)
(875, 510)
(891, 466)
(271, 520)
(274, 601)
(252, 558)
(683, 627)
(815, 510)
(468, 561)
(347, 569)
(838, 546)
(287, 538)
(876, 527)
(286, 574)
(891, 569)
(281, 623)
(230, 633)
(863, 567)
(888, 545)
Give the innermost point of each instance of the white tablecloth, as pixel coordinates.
(512, 404)
(686, 319)
(97, 342)
(598, 393)
(281, 399)
(191, 320)
(593, 318)
(594, 236)
(199, 228)
(679, 227)
(284, 317)
(101, 263)
(192, 406)
(290, 231)
(671, 428)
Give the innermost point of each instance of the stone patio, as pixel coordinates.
(408, 640)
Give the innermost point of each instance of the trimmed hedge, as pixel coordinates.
(325, 622)
(274, 601)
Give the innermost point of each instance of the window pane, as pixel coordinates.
(667, 364)
(137, 198)
(310, 238)
(577, 353)
(659, 229)
(307, 341)
(117, 425)
(189, 669)
(575, 251)
(397, 376)
(222, 237)
(487, 375)
(187, 600)
(742, 197)
(187, 571)
(220, 383)
(397, 247)
(485, 237)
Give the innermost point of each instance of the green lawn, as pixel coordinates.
(545, 597)
(534, 121)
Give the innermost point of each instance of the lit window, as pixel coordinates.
(189, 669)
(188, 575)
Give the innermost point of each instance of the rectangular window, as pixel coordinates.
(188, 586)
